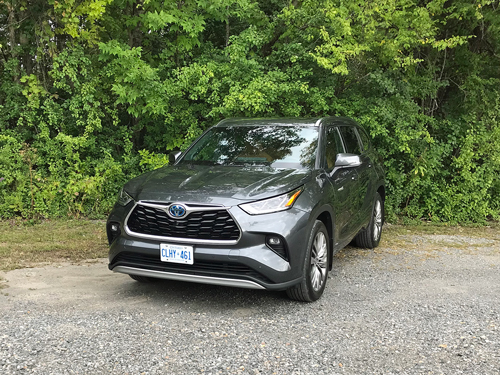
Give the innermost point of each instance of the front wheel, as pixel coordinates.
(315, 271)
(370, 237)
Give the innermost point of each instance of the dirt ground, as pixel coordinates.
(418, 304)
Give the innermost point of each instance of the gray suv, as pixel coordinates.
(253, 203)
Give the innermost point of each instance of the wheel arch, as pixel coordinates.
(381, 191)
(326, 218)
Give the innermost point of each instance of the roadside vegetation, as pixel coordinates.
(61, 241)
(95, 92)
(403, 236)
(50, 241)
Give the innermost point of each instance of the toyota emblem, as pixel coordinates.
(177, 211)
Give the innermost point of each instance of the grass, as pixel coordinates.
(396, 236)
(490, 231)
(54, 241)
(50, 241)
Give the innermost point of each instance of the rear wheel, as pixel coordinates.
(143, 279)
(315, 271)
(370, 237)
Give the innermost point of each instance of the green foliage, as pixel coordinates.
(74, 155)
(93, 93)
(151, 161)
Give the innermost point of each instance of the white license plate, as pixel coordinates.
(176, 253)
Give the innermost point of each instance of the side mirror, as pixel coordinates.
(347, 161)
(173, 156)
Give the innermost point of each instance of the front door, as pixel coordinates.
(344, 183)
(359, 193)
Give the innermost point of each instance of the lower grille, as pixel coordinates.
(202, 268)
(201, 225)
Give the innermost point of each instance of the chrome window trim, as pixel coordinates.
(177, 239)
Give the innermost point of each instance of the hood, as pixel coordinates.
(219, 185)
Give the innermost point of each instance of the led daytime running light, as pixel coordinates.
(274, 204)
(293, 198)
(124, 198)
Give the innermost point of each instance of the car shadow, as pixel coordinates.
(179, 293)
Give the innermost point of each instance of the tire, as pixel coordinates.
(315, 271)
(370, 237)
(143, 279)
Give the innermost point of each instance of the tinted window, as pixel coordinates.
(333, 146)
(350, 140)
(364, 139)
(275, 146)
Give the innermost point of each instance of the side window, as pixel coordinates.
(350, 139)
(364, 139)
(333, 146)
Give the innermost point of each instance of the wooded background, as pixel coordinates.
(94, 92)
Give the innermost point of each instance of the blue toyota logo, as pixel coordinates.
(177, 210)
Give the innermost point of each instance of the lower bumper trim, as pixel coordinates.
(191, 278)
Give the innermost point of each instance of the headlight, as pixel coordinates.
(124, 198)
(274, 204)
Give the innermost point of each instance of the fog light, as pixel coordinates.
(113, 231)
(274, 241)
(278, 245)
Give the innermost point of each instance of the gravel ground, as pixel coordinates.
(434, 309)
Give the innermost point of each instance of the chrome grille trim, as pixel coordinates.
(180, 239)
(190, 208)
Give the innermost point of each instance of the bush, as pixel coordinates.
(97, 95)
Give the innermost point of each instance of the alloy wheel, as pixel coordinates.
(377, 220)
(318, 261)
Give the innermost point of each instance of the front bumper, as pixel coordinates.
(214, 280)
(248, 263)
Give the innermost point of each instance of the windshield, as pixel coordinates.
(275, 146)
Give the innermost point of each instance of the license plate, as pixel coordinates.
(176, 253)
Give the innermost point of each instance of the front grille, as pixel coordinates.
(203, 268)
(201, 225)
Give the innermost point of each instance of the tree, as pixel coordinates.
(95, 92)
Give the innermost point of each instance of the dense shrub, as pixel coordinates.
(94, 93)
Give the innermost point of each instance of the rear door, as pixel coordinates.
(367, 175)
